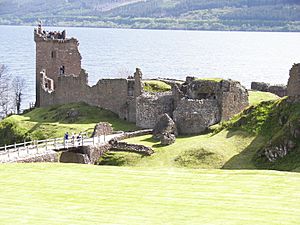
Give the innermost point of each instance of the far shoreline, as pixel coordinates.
(150, 29)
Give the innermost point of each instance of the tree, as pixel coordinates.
(18, 86)
(5, 92)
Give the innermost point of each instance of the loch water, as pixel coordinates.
(112, 53)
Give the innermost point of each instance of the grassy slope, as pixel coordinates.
(50, 122)
(203, 151)
(85, 194)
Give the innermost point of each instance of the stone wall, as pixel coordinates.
(195, 116)
(49, 156)
(149, 106)
(232, 99)
(109, 94)
(230, 95)
(279, 89)
(293, 87)
(126, 147)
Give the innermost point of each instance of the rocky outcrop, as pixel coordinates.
(102, 128)
(164, 125)
(125, 147)
(167, 139)
(274, 152)
(281, 145)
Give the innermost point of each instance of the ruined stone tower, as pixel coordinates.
(61, 80)
(56, 56)
(293, 86)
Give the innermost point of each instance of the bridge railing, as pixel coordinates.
(19, 150)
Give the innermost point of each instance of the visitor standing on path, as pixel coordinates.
(66, 137)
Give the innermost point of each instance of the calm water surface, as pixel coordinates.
(111, 53)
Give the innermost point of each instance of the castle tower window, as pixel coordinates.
(62, 70)
(53, 54)
(130, 88)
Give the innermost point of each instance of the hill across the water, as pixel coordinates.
(254, 15)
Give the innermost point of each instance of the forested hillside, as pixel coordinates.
(263, 15)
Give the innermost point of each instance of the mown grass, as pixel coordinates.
(54, 121)
(156, 86)
(85, 194)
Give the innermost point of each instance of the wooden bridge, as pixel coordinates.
(18, 151)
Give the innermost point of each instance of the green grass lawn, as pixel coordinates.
(53, 122)
(86, 194)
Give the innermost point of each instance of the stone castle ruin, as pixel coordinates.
(194, 105)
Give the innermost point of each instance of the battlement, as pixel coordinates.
(41, 34)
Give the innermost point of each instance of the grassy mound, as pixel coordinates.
(54, 121)
(156, 86)
(202, 151)
(85, 194)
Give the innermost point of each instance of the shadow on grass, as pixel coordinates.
(238, 132)
(244, 160)
(252, 157)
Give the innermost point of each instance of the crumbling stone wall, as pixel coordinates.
(195, 116)
(279, 89)
(293, 87)
(230, 95)
(126, 147)
(150, 105)
(233, 98)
